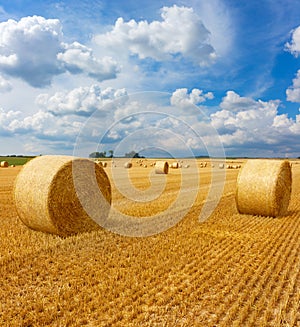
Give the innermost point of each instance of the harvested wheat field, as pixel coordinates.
(231, 270)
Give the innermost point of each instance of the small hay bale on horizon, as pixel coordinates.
(161, 167)
(59, 194)
(174, 165)
(264, 187)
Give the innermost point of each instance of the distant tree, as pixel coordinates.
(97, 154)
(133, 154)
(111, 153)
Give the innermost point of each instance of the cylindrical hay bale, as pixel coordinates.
(104, 163)
(48, 194)
(4, 164)
(174, 165)
(221, 166)
(161, 167)
(127, 164)
(264, 187)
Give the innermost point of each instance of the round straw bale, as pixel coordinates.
(127, 164)
(264, 187)
(174, 165)
(221, 166)
(161, 167)
(48, 194)
(4, 164)
(104, 163)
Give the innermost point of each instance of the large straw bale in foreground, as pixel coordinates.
(264, 187)
(4, 164)
(59, 194)
(161, 167)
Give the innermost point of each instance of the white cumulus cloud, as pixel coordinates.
(78, 58)
(294, 45)
(293, 92)
(180, 33)
(82, 101)
(182, 98)
(33, 49)
(244, 120)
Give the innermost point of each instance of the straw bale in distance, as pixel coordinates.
(4, 164)
(161, 167)
(128, 165)
(46, 194)
(264, 187)
(174, 165)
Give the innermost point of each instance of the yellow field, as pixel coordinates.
(231, 270)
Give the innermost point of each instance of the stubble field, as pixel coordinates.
(231, 270)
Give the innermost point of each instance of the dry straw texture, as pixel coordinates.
(46, 194)
(4, 164)
(161, 167)
(264, 187)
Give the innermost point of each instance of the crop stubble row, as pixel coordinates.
(230, 270)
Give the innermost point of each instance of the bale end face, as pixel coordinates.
(62, 195)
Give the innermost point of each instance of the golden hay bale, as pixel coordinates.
(127, 164)
(55, 194)
(4, 164)
(221, 166)
(104, 163)
(161, 167)
(174, 165)
(264, 187)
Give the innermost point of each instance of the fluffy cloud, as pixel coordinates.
(294, 45)
(7, 119)
(82, 101)
(233, 102)
(182, 98)
(293, 92)
(180, 33)
(246, 121)
(77, 58)
(32, 49)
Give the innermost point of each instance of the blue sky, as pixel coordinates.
(177, 76)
